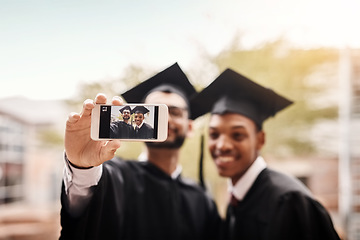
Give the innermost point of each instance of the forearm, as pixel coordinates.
(78, 183)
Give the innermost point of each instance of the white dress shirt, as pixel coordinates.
(243, 185)
(77, 186)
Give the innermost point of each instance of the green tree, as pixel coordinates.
(286, 70)
(132, 76)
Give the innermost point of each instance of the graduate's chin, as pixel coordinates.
(223, 173)
(169, 144)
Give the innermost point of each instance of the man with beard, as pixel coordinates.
(118, 199)
(122, 129)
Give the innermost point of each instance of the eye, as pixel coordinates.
(176, 112)
(213, 135)
(238, 136)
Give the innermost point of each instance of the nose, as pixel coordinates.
(223, 144)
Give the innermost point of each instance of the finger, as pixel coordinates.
(118, 101)
(88, 106)
(73, 117)
(100, 98)
(109, 149)
(113, 144)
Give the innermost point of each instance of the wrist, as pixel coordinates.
(74, 165)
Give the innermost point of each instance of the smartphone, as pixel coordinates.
(130, 122)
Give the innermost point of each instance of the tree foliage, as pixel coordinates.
(133, 75)
(286, 70)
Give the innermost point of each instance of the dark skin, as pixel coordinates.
(234, 144)
(139, 118)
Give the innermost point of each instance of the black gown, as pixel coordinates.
(121, 129)
(145, 132)
(136, 200)
(278, 207)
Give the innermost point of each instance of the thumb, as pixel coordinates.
(109, 149)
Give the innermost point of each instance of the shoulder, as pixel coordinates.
(195, 191)
(147, 126)
(281, 183)
(286, 191)
(186, 182)
(120, 163)
(124, 124)
(192, 186)
(115, 123)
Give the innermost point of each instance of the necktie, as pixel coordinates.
(233, 201)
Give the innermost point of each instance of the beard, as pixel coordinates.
(175, 144)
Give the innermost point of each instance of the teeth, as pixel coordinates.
(225, 159)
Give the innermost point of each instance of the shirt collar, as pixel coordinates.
(243, 185)
(142, 123)
(175, 174)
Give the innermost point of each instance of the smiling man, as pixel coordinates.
(122, 129)
(142, 129)
(112, 198)
(265, 204)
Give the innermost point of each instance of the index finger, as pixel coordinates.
(118, 101)
(100, 98)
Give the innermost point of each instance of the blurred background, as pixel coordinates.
(55, 54)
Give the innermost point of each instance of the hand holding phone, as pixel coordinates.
(80, 149)
(131, 122)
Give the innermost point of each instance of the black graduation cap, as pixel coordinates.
(125, 108)
(140, 109)
(172, 79)
(233, 92)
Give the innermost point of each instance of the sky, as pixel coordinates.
(48, 47)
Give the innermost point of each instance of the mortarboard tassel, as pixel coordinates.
(201, 172)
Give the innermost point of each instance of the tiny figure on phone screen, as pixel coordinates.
(142, 129)
(122, 129)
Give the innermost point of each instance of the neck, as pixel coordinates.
(165, 159)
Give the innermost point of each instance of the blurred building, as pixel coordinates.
(12, 155)
(334, 175)
(31, 166)
(349, 154)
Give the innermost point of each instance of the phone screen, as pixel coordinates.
(128, 122)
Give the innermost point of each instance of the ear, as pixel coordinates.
(260, 136)
(190, 130)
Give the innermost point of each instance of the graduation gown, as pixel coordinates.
(121, 129)
(278, 207)
(136, 200)
(145, 132)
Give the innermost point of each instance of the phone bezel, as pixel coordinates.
(162, 129)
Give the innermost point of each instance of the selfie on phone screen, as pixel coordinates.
(134, 122)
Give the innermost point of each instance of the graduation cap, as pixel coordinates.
(140, 109)
(172, 80)
(232, 92)
(235, 93)
(125, 108)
